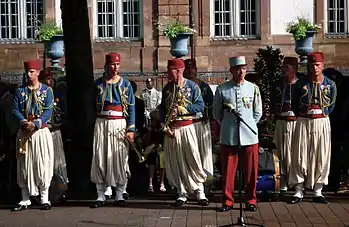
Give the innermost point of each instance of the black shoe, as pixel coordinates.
(20, 208)
(203, 202)
(319, 199)
(180, 202)
(225, 208)
(121, 203)
(295, 200)
(98, 204)
(107, 197)
(251, 207)
(45, 206)
(125, 196)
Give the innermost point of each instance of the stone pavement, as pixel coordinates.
(161, 213)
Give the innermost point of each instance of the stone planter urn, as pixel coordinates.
(304, 46)
(179, 45)
(55, 50)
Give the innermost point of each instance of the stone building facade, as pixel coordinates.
(225, 28)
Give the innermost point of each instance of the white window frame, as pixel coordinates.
(22, 23)
(346, 14)
(235, 19)
(119, 23)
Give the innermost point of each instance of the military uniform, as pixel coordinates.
(311, 152)
(245, 99)
(115, 116)
(202, 125)
(35, 149)
(181, 152)
(59, 110)
(285, 124)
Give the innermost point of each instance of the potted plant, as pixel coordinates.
(178, 34)
(52, 36)
(303, 31)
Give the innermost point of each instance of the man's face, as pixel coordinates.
(238, 72)
(174, 74)
(33, 75)
(113, 68)
(49, 81)
(149, 84)
(190, 72)
(317, 68)
(288, 71)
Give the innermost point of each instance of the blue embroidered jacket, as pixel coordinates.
(283, 98)
(117, 94)
(305, 94)
(207, 96)
(33, 105)
(191, 100)
(59, 109)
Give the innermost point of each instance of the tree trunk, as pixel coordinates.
(81, 93)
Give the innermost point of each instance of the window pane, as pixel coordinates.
(227, 18)
(336, 16)
(331, 27)
(131, 18)
(217, 18)
(222, 18)
(217, 31)
(9, 19)
(248, 9)
(34, 13)
(106, 18)
(100, 32)
(227, 30)
(330, 3)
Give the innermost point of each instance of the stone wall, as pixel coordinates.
(151, 54)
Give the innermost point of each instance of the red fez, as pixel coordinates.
(112, 58)
(190, 63)
(175, 64)
(315, 57)
(45, 73)
(290, 61)
(32, 64)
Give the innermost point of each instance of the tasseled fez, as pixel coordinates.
(32, 64)
(112, 58)
(175, 64)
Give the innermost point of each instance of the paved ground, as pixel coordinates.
(161, 213)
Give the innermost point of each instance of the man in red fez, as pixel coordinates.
(46, 77)
(58, 117)
(114, 129)
(202, 124)
(181, 105)
(32, 107)
(314, 100)
(286, 119)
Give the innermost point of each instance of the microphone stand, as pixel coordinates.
(241, 219)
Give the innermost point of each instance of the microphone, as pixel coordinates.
(230, 108)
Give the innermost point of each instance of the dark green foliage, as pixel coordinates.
(267, 65)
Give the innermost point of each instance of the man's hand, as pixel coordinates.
(28, 126)
(130, 136)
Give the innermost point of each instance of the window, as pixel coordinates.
(234, 18)
(19, 19)
(337, 17)
(117, 19)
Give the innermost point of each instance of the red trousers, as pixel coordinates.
(249, 161)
